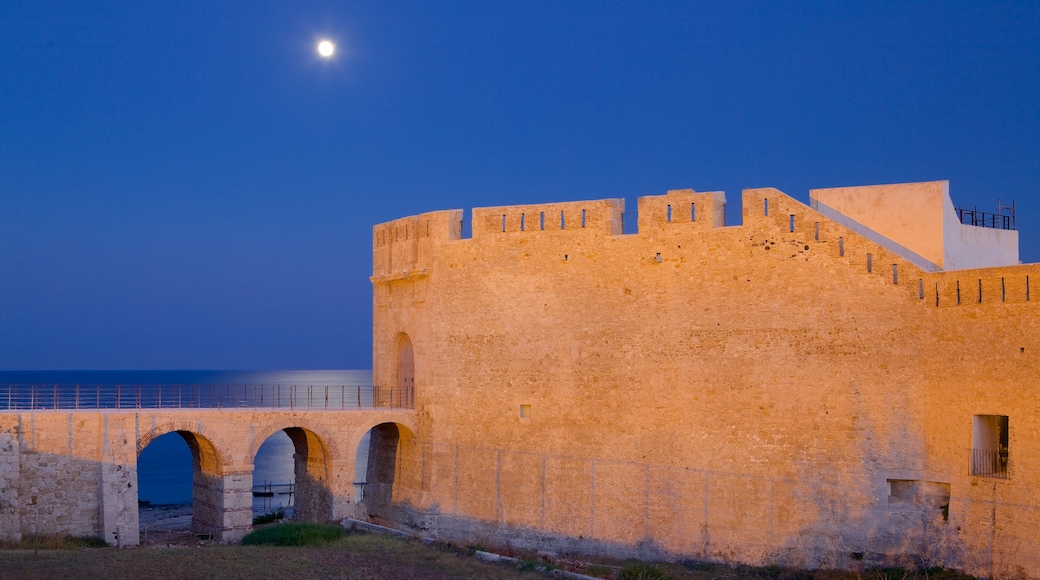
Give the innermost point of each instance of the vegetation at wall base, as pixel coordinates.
(54, 542)
(270, 517)
(294, 534)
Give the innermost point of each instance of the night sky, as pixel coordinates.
(189, 186)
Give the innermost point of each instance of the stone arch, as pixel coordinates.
(313, 456)
(392, 474)
(207, 475)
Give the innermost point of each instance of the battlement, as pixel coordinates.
(914, 222)
(599, 216)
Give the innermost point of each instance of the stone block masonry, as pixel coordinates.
(799, 389)
(75, 472)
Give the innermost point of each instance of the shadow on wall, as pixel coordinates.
(390, 473)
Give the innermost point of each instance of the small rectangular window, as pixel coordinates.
(989, 446)
(523, 224)
(562, 223)
(503, 222)
(895, 273)
(841, 246)
(817, 235)
(668, 215)
(870, 262)
(541, 221)
(693, 212)
(525, 411)
(583, 217)
(792, 222)
(765, 207)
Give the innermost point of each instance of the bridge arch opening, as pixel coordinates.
(388, 462)
(310, 472)
(164, 479)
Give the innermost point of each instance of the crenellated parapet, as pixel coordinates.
(602, 217)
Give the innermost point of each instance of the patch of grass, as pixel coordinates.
(360, 556)
(55, 542)
(270, 517)
(294, 534)
(643, 571)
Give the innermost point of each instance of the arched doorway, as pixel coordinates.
(274, 476)
(312, 498)
(163, 475)
(400, 393)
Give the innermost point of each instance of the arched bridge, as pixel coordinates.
(68, 458)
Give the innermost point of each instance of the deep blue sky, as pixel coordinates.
(189, 186)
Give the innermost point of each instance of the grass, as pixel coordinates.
(294, 534)
(360, 556)
(269, 517)
(326, 553)
(60, 542)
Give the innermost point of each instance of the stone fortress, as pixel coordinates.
(852, 381)
(843, 384)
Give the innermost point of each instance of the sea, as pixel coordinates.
(164, 471)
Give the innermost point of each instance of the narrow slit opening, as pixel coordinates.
(870, 262)
(841, 246)
(668, 215)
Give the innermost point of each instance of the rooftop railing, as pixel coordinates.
(21, 397)
(974, 217)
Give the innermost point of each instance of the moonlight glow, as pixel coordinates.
(326, 48)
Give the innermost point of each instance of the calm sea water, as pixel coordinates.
(164, 468)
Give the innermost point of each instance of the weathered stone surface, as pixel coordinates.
(740, 393)
(75, 472)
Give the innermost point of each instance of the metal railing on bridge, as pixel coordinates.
(19, 397)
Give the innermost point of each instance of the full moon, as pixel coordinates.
(326, 48)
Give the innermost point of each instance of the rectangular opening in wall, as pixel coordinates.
(503, 222)
(525, 411)
(989, 446)
(583, 217)
(895, 273)
(870, 262)
(792, 222)
(668, 215)
(1003, 290)
(693, 212)
(816, 236)
(541, 221)
(563, 224)
(523, 224)
(923, 494)
(958, 292)
(765, 207)
(841, 246)
(1027, 288)
(920, 288)
(980, 290)
(902, 491)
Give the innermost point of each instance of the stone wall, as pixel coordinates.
(748, 393)
(75, 472)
